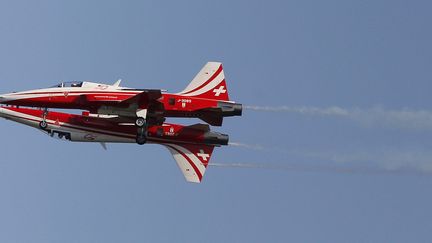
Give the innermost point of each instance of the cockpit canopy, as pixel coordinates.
(68, 85)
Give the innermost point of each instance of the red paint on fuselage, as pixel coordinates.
(175, 105)
(84, 100)
(167, 131)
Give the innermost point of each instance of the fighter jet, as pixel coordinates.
(191, 146)
(206, 97)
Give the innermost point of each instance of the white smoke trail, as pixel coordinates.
(301, 109)
(405, 118)
(258, 147)
(247, 146)
(322, 168)
(416, 159)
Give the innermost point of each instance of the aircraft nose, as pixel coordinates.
(3, 98)
(2, 113)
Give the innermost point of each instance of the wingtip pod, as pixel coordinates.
(192, 159)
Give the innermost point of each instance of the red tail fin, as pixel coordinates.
(209, 83)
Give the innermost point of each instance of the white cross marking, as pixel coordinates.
(219, 91)
(203, 155)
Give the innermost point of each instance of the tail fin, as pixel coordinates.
(209, 83)
(192, 159)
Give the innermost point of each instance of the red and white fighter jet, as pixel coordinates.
(206, 97)
(191, 146)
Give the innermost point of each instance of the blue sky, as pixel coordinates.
(367, 60)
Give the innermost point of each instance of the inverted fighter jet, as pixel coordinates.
(191, 146)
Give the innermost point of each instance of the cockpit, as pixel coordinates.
(68, 85)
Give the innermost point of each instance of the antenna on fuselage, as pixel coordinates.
(117, 84)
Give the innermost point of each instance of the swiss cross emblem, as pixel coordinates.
(220, 90)
(203, 155)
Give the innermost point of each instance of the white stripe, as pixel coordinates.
(26, 116)
(75, 130)
(209, 86)
(192, 157)
(185, 167)
(203, 76)
(30, 96)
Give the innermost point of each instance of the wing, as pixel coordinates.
(192, 159)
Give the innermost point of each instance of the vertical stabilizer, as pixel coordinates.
(209, 83)
(192, 159)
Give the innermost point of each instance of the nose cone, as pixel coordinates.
(7, 98)
(2, 112)
(4, 98)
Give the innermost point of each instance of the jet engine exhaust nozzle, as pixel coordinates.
(231, 109)
(216, 138)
